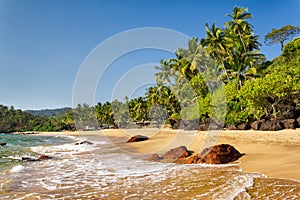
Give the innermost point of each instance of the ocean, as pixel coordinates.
(105, 171)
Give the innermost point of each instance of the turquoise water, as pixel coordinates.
(18, 146)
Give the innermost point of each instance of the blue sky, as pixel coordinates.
(44, 42)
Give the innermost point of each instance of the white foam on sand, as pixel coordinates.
(66, 149)
(17, 169)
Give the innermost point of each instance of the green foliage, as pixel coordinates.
(291, 50)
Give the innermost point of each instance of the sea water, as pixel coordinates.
(105, 171)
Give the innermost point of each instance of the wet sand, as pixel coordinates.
(275, 153)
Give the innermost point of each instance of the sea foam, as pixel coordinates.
(17, 169)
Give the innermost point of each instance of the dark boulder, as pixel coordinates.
(176, 153)
(203, 127)
(287, 110)
(243, 126)
(271, 125)
(174, 123)
(218, 154)
(2, 144)
(154, 158)
(190, 124)
(289, 123)
(138, 138)
(257, 124)
(83, 142)
(298, 122)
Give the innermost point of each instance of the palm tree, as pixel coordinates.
(186, 62)
(243, 46)
(216, 45)
(163, 76)
(239, 25)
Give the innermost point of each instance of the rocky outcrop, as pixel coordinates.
(271, 125)
(243, 126)
(287, 110)
(176, 153)
(84, 142)
(289, 123)
(138, 138)
(218, 154)
(257, 124)
(267, 125)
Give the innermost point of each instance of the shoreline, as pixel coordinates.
(272, 153)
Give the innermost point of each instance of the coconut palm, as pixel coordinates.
(164, 74)
(239, 24)
(215, 44)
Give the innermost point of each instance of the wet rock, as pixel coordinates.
(218, 154)
(154, 158)
(84, 142)
(2, 144)
(289, 123)
(138, 138)
(42, 157)
(176, 153)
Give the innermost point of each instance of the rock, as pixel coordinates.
(231, 127)
(154, 158)
(289, 123)
(243, 126)
(202, 127)
(271, 125)
(257, 124)
(176, 153)
(83, 142)
(29, 159)
(298, 122)
(42, 157)
(190, 124)
(174, 123)
(2, 144)
(287, 110)
(138, 138)
(218, 154)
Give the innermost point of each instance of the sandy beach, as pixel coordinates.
(275, 154)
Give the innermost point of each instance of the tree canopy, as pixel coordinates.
(281, 35)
